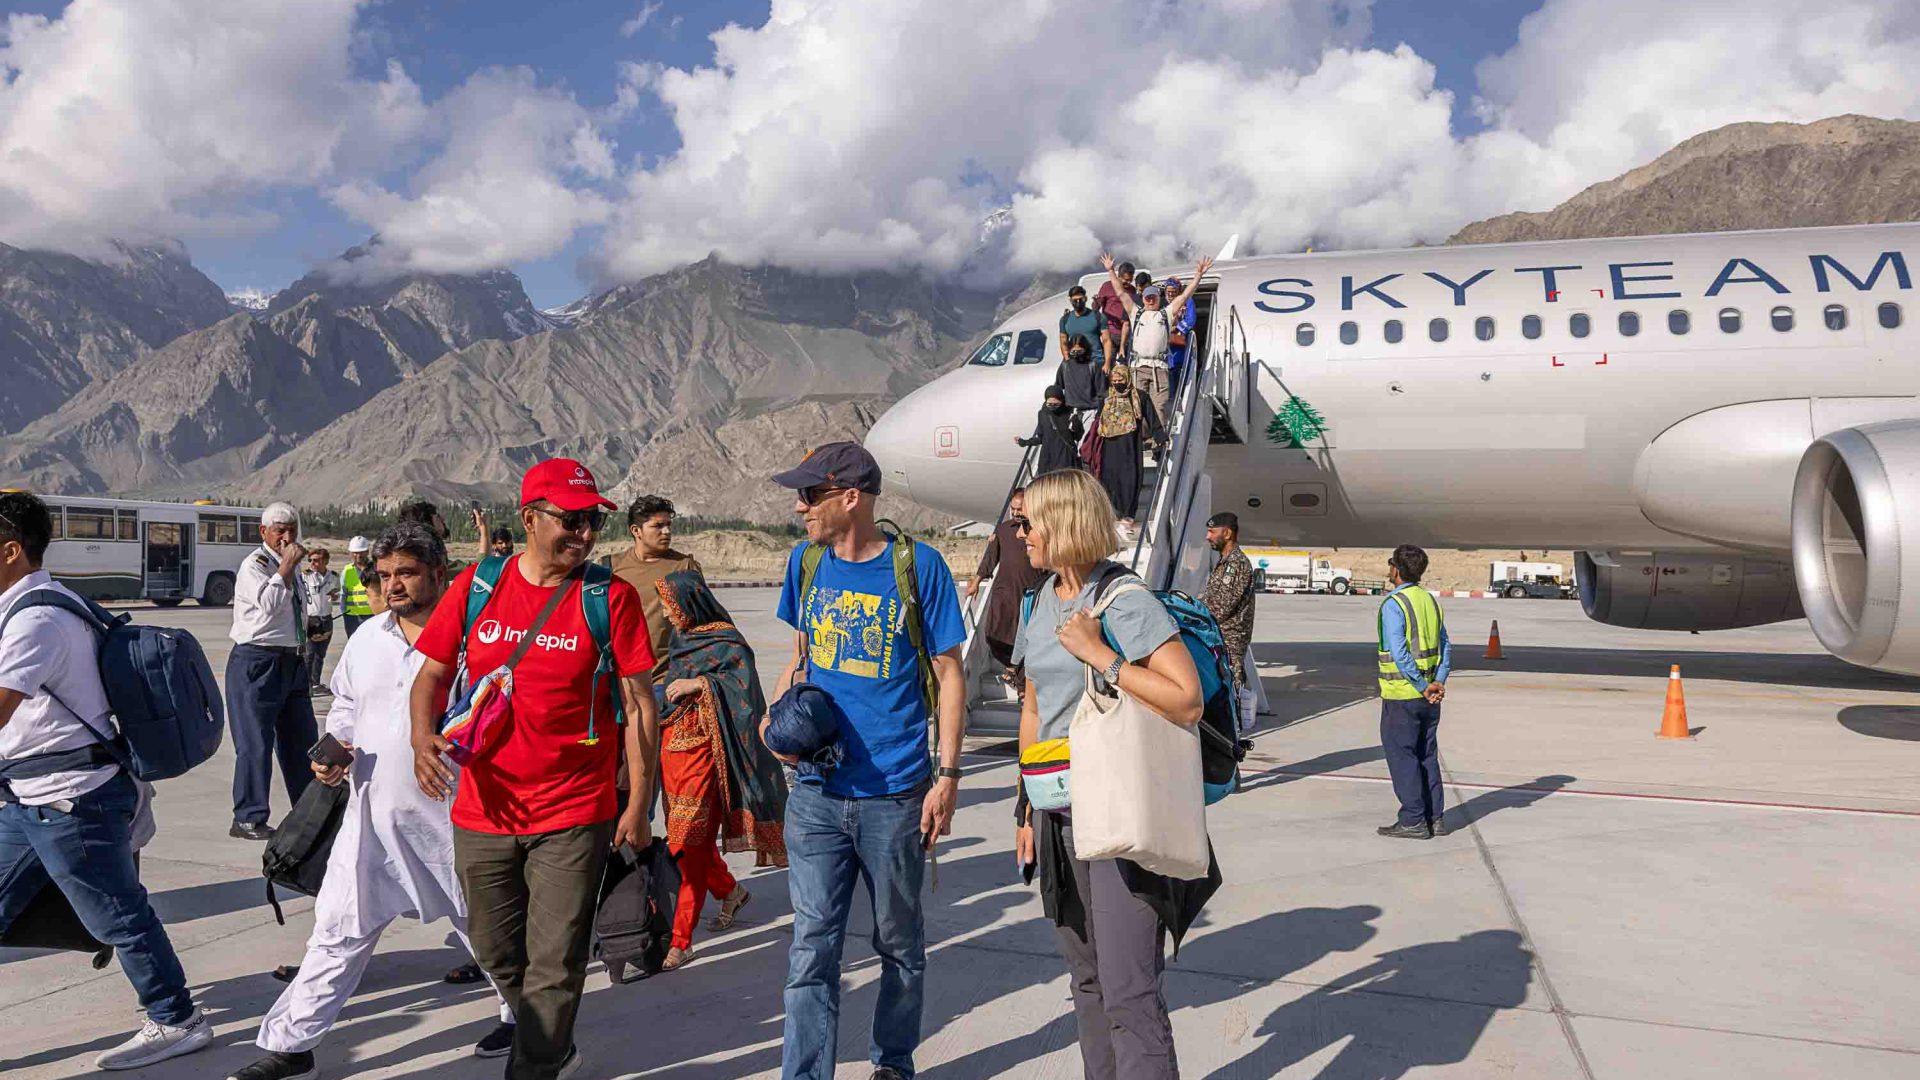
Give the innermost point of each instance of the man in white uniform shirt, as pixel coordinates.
(267, 678)
(393, 855)
(320, 591)
(66, 808)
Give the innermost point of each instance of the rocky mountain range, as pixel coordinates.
(138, 376)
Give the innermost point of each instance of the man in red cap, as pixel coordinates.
(537, 808)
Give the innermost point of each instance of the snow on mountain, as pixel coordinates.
(251, 298)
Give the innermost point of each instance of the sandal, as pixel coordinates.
(676, 957)
(729, 908)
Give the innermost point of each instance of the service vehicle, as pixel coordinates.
(1535, 588)
(166, 552)
(1283, 570)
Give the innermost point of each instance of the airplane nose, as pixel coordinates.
(889, 443)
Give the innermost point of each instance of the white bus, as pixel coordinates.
(124, 549)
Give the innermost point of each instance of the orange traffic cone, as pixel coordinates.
(1673, 725)
(1493, 643)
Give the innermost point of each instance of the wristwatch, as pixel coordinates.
(1112, 674)
(947, 772)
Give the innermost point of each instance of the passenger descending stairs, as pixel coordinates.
(1212, 405)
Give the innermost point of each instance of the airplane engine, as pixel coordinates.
(1856, 543)
(1685, 591)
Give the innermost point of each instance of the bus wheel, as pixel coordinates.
(166, 601)
(219, 591)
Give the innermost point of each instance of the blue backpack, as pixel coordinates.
(159, 686)
(1220, 751)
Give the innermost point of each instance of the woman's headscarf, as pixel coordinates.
(706, 646)
(1120, 410)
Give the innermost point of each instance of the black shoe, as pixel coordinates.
(251, 830)
(102, 958)
(1440, 827)
(498, 1043)
(1406, 832)
(286, 973)
(464, 975)
(279, 1066)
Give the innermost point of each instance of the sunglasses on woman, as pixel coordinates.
(575, 520)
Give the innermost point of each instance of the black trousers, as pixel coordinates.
(1410, 735)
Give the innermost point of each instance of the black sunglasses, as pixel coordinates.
(1021, 524)
(575, 520)
(817, 494)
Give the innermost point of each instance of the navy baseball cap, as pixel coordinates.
(839, 464)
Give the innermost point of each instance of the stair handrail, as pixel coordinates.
(1172, 461)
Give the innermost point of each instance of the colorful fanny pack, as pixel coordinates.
(479, 717)
(1045, 769)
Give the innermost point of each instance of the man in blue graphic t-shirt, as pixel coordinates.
(878, 813)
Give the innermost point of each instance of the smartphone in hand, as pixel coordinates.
(330, 753)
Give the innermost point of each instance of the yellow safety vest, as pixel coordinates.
(1424, 620)
(354, 591)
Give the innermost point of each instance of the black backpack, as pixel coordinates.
(633, 924)
(296, 857)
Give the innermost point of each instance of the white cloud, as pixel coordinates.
(843, 135)
(513, 180)
(640, 20)
(153, 119)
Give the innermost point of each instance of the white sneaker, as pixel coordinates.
(158, 1042)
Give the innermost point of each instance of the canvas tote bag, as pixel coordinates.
(1136, 785)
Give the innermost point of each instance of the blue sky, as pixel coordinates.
(579, 46)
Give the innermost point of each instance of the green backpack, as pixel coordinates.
(906, 581)
(595, 580)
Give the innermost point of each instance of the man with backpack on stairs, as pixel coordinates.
(72, 819)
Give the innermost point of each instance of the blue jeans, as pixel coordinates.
(88, 854)
(830, 842)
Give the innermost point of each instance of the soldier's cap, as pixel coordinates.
(836, 464)
(1225, 519)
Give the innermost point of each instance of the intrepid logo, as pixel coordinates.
(491, 631)
(488, 632)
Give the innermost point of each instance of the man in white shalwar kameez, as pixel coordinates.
(393, 855)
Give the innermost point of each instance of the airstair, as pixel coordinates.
(1212, 404)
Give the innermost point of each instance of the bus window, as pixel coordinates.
(128, 522)
(991, 353)
(89, 523)
(59, 516)
(219, 530)
(1033, 347)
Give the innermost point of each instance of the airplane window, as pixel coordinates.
(1579, 326)
(1483, 328)
(1679, 322)
(1394, 331)
(1782, 318)
(992, 352)
(1033, 347)
(1303, 334)
(1890, 316)
(1437, 330)
(1629, 323)
(1836, 316)
(1349, 333)
(1729, 320)
(1530, 327)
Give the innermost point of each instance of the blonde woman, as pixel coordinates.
(1112, 918)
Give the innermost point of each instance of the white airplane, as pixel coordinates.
(1724, 425)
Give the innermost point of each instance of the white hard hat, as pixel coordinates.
(359, 544)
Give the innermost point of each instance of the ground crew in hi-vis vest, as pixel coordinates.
(356, 606)
(1414, 661)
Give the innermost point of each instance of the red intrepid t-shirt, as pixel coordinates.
(540, 776)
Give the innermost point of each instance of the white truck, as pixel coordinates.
(1285, 570)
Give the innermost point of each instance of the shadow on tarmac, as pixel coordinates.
(1883, 721)
(1514, 797)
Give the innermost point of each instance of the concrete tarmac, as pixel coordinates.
(1610, 905)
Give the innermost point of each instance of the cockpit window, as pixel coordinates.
(992, 352)
(1033, 347)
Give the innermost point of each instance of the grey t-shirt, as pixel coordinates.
(1136, 624)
